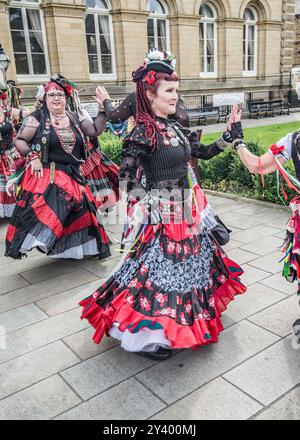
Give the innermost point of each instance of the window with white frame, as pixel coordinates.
(157, 26)
(28, 38)
(99, 38)
(250, 41)
(208, 40)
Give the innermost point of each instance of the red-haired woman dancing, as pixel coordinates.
(175, 281)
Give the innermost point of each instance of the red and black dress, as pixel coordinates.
(175, 281)
(56, 213)
(7, 202)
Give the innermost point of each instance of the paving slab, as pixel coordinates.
(20, 317)
(82, 344)
(12, 282)
(187, 371)
(269, 374)
(287, 408)
(278, 282)
(42, 333)
(252, 274)
(36, 292)
(108, 369)
(254, 234)
(240, 256)
(42, 401)
(280, 317)
(269, 263)
(264, 246)
(257, 298)
(111, 405)
(68, 300)
(232, 244)
(35, 366)
(13, 267)
(218, 400)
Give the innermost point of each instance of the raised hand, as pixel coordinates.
(101, 95)
(235, 116)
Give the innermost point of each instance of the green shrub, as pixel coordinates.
(111, 145)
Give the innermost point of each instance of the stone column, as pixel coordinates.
(5, 38)
(287, 41)
(65, 31)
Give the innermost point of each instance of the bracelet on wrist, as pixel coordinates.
(238, 143)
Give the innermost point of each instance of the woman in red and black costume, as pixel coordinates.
(10, 116)
(175, 281)
(55, 211)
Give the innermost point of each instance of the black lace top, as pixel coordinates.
(166, 166)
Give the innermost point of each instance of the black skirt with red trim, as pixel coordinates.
(58, 218)
(101, 175)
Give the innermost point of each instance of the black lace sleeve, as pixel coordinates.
(135, 146)
(121, 113)
(202, 151)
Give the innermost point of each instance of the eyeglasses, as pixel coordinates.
(56, 95)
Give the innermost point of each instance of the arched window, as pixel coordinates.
(157, 26)
(208, 40)
(99, 38)
(250, 41)
(28, 38)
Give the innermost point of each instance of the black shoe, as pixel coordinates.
(296, 335)
(160, 354)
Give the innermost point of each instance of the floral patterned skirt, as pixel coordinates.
(170, 290)
(291, 248)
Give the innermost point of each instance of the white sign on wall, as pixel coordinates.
(228, 99)
(91, 107)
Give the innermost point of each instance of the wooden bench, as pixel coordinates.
(268, 108)
(203, 113)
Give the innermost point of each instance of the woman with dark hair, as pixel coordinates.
(175, 281)
(10, 117)
(55, 212)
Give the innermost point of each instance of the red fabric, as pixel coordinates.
(10, 233)
(47, 216)
(275, 149)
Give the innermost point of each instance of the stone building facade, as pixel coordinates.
(220, 45)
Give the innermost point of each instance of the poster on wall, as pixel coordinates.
(228, 99)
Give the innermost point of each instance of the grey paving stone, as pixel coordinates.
(280, 317)
(32, 367)
(187, 371)
(52, 270)
(217, 400)
(55, 304)
(240, 256)
(36, 292)
(228, 207)
(42, 401)
(98, 374)
(20, 317)
(13, 282)
(278, 282)
(282, 221)
(269, 374)
(252, 275)
(257, 297)
(264, 246)
(42, 333)
(254, 234)
(287, 408)
(252, 209)
(13, 267)
(269, 263)
(232, 244)
(139, 404)
(84, 346)
(231, 218)
(3, 229)
(103, 269)
(216, 200)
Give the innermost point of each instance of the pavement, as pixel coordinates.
(253, 123)
(51, 369)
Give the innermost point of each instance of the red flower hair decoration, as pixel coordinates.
(3, 95)
(150, 78)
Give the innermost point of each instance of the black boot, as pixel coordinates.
(160, 354)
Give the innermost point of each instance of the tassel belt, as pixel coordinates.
(71, 170)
